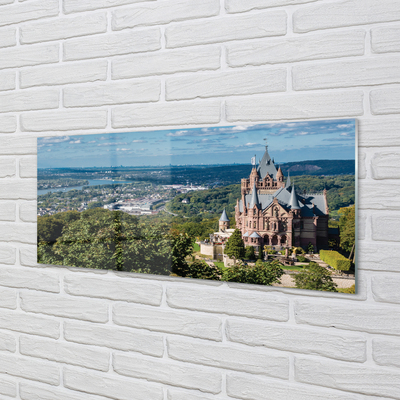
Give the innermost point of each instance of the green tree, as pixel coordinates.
(262, 273)
(315, 277)
(347, 227)
(201, 270)
(249, 253)
(235, 246)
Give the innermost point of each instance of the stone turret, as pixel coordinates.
(224, 221)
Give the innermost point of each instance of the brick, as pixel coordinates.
(64, 353)
(16, 57)
(8, 298)
(371, 71)
(8, 37)
(27, 255)
(17, 232)
(229, 356)
(115, 93)
(176, 394)
(385, 165)
(28, 211)
(250, 387)
(18, 189)
(8, 387)
(378, 256)
(63, 28)
(340, 346)
(7, 80)
(3, 2)
(166, 62)
(27, 391)
(126, 42)
(17, 145)
(28, 167)
(386, 227)
(265, 24)
(24, 278)
(25, 367)
(36, 9)
(346, 376)
(246, 304)
(344, 13)
(168, 372)
(8, 167)
(362, 168)
(385, 39)
(7, 211)
(370, 319)
(7, 256)
(385, 289)
(87, 310)
(30, 324)
(136, 291)
(385, 101)
(29, 100)
(205, 112)
(8, 124)
(235, 6)
(61, 74)
(386, 352)
(287, 50)
(7, 343)
(379, 131)
(111, 386)
(286, 106)
(161, 320)
(65, 120)
(226, 84)
(71, 6)
(388, 197)
(113, 337)
(163, 12)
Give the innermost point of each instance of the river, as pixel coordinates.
(92, 182)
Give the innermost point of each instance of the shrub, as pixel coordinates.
(262, 273)
(335, 260)
(201, 270)
(315, 277)
(303, 259)
(249, 253)
(351, 290)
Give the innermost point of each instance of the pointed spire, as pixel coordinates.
(294, 202)
(224, 217)
(254, 198)
(279, 173)
(288, 183)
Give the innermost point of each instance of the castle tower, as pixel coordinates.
(224, 221)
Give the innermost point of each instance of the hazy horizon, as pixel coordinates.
(287, 142)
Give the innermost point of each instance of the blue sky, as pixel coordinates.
(291, 141)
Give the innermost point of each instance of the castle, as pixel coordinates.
(271, 212)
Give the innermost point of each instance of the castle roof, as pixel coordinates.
(294, 203)
(288, 182)
(224, 217)
(254, 198)
(266, 166)
(255, 235)
(310, 204)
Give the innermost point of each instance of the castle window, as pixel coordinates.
(301, 224)
(254, 225)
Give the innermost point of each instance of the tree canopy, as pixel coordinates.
(347, 227)
(315, 277)
(235, 246)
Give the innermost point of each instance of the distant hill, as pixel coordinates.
(319, 167)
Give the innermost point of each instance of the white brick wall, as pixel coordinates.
(94, 66)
